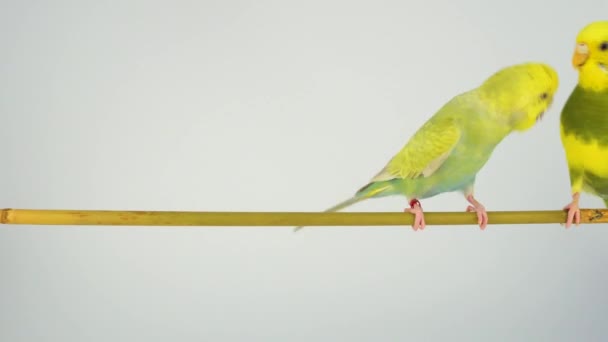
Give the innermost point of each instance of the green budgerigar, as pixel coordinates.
(584, 120)
(448, 151)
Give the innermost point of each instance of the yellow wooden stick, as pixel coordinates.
(218, 219)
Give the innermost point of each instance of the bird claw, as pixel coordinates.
(416, 210)
(482, 214)
(574, 214)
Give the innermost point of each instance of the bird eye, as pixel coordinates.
(604, 46)
(544, 96)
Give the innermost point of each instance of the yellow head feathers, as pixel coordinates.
(590, 56)
(521, 93)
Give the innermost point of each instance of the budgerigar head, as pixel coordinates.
(521, 94)
(591, 56)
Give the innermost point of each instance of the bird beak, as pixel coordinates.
(581, 53)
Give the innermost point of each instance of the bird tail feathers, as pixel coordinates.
(368, 191)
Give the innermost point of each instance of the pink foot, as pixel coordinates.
(476, 207)
(416, 209)
(574, 212)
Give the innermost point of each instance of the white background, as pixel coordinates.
(277, 106)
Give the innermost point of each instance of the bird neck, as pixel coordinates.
(500, 112)
(593, 77)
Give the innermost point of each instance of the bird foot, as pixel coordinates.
(574, 214)
(416, 210)
(476, 207)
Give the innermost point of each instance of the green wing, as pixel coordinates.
(425, 152)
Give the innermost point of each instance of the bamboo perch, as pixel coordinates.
(177, 218)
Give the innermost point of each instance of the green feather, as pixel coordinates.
(585, 115)
(596, 184)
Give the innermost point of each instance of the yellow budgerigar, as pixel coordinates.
(584, 119)
(448, 151)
